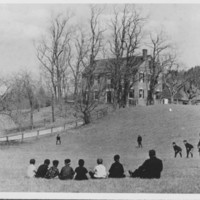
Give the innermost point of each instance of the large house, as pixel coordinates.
(139, 90)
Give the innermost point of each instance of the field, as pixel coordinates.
(115, 134)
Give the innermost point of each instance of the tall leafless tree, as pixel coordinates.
(53, 52)
(173, 77)
(159, 46)
(86, 102)
(126, 28)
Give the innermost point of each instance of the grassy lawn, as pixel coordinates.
(115, 134)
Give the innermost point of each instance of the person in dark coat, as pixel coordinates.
(151, 168)
(139, 141)
(116, 170)
(189, 148)
(198, 146)
(177, 150)
(81, 171)
(42, 169)
(66, 172)
(58, 139)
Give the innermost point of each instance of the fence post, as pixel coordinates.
(7, 139)
(22, 137)
(38, 133)
(51, 130)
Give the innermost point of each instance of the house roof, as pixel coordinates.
(107, 65)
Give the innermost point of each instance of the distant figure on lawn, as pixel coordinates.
(116, 170)
(151, 168)
(177, 150)
(81, 171)
(67, 172)
(189, 148)
(53, 171)
(139, 141)
(42, 170)
(31, 169)
(99, 171)
(58, 139)
(198, 146)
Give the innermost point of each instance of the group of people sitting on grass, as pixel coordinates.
(189, 149)
(151, 168)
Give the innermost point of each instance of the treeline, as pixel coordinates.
(183, 84)
(67, 55)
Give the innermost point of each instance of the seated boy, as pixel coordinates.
(67, 172)
(42, 170)
(116, 170)
(99, 171)
(81, 171)
(53, 171)
(31, 169)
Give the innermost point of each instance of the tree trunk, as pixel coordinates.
(31, 117)
(172, 99)
(86, 117)
(52, 108)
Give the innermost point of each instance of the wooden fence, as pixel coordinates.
(51, 130)
(39, 132)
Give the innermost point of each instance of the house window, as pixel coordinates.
(99, 79)
(141, 93)
(141, 77)
(96, 95)
(131, 93)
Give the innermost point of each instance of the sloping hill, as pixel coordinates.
(115, 134)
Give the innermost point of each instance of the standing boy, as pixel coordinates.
(177, 150)
(139, 140)
(58, 139)
(189, 148)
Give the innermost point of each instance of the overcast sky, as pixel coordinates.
(22, 24)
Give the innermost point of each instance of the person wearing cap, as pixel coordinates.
(99, 170)
(177, 149)
(66, 172)
(151, 168)
(189, 148)
(42, 169)
(116, 170)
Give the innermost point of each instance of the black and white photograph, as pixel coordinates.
(100, 100)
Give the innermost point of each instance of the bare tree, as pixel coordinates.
(86, 102)
(52, 52)
(126, 27)
(78, 58)
(160, 60)
(173, 78)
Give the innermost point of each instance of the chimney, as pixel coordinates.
(144, 54)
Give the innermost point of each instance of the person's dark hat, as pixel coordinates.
(99, 161)
(184, 140)
(55, 162)
(32, 161)
(116, 157)
(47, 161)
(67, 161)
(173, 143)
(152, 153)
